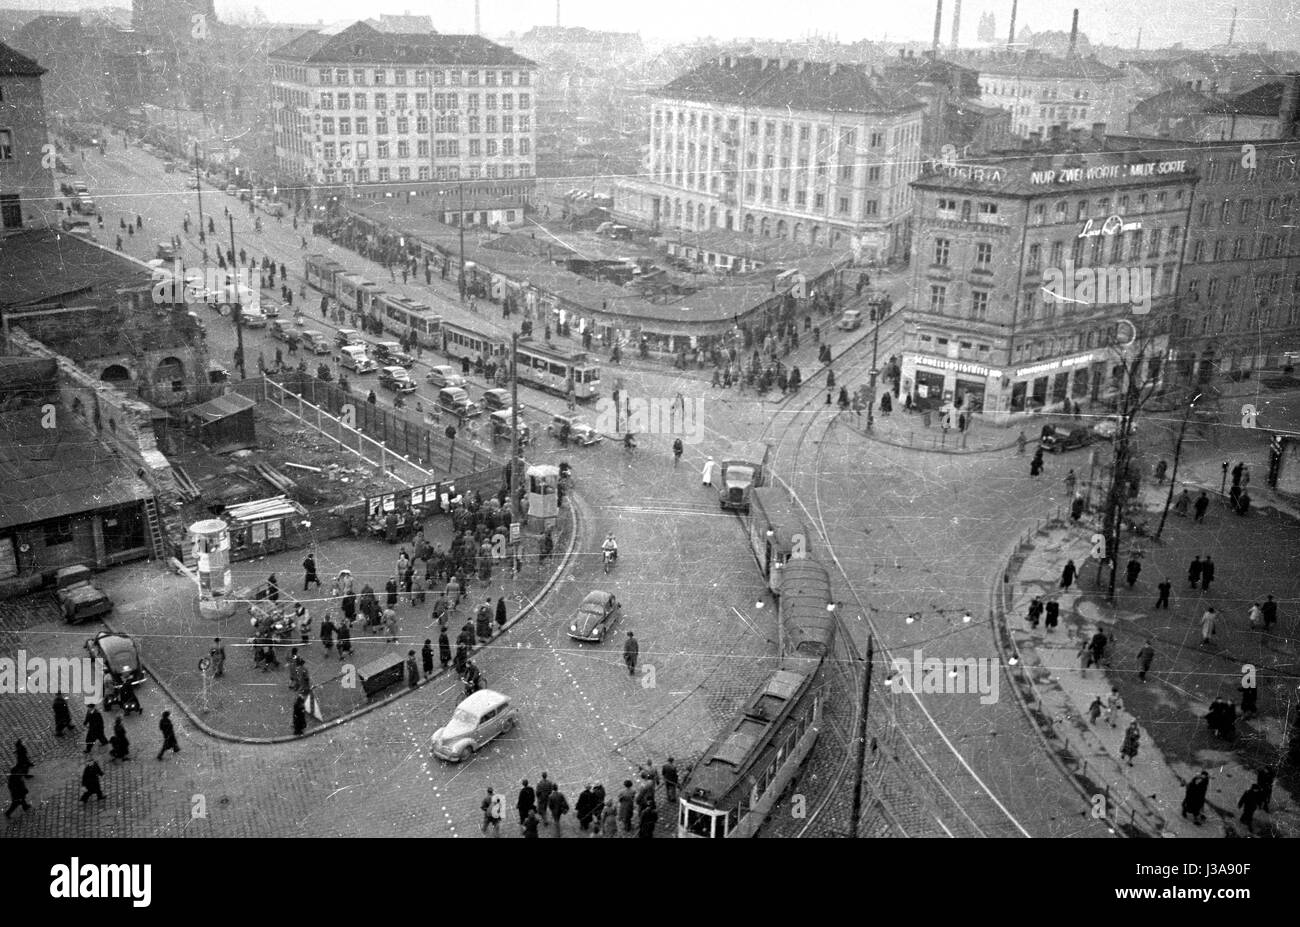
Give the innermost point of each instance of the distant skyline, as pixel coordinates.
(1197, 24)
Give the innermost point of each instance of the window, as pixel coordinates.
(491, 147)
(385, 174)
(345, 125)
(489, 78)
(1153, 248)
(877, 139)
(1198, 252)
(471, 78)
(363, 125)
(1238, 248)
(1244, 212)
(326, 76)
(525, 147)
(1081, 212)
(938, 296)
(422, 125)
(846, 172)
(381, 101)
(983, 254)
(403, 173)
(871, 208)
(359, 76)
(381, 149)
(1225, 212)
(1035, 258)
(359, 101)
(979, 305)
(843, 205)
(819, 201)
(1205, 213)
(475, 148)
(381, 77)
(381, 125)
(422, 148)
(941, 247)
(327, 126)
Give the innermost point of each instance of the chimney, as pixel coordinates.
(557, 14)
(478, 29)
(1074, 31)
(938, 24)
(1289, 111)
(1099, 131)
(1232, 27)
(1011, 34)
(956, 22)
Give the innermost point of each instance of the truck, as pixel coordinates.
(738, 474)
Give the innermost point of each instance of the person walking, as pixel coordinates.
(1068, 573)
(1035, 611)
(390, 592)
(1269, 610)
(1194, 797)
(22, 760)
(444, 648)
(669, 773)
(529, 825)
(585, 808)
(309, 572)
(62, 715)
(1165, 587)
(1114, 705)
(1194, 572)
(94, 722)
(1021, 440)
(558, 805)
(169, 735)
(1250, 800)
(1132, 737)
(1208, 621)
(1132, 571)
(544, 789)
(217, 656)
(426, 658)
(501, 613)
(1201, 505)
(90, 779)
(1036, 465)
(1255, 617)
(492, 812)
(119, 744)
(1094, 710)
(626, 804)
(1051, 615)
(525, 804)
(1145, 657)
(412, 670)
(299, 716)
(483, 620)
(631, 649)
(677, 452)
(649, 819)
(18, 791)
(1070, 482)
(1207, 572)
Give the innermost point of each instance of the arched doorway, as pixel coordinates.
(798, 232)
(816, 234)
(169, 377)
(765, 227)
(116, 374)
(690, 214)
(713, 217)
(731, 220)
(749, 224)
(781, 229)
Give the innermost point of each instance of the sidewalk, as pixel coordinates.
(1170, 706)
(159, 609)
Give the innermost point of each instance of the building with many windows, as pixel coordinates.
(1024, 264)
(1041, 91)
(812, 152)
(26, 173)
(417, 113)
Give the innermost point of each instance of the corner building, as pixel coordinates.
(1023, 267)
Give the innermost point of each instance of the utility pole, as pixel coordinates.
(460, 224)
(1178, 453)
(198, 188)
(516, 476)
(877, 314)
(860, 751)
(236, 309)
(1115, 506)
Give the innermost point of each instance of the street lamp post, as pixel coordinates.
(236, 308)
(460, 224)
(876, 315)
(198, 188)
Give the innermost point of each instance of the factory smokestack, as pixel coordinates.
(938, 25)
(1074, 32)
(557, 14)
(956, 22)
(478, 23)
(1011, 34)
(1232, 27)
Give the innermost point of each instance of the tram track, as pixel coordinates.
(896, 762)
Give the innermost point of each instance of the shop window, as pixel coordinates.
(58, 531)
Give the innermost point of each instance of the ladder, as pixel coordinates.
(157, 539)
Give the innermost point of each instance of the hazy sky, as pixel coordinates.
(1193, 22)
(1196, 23)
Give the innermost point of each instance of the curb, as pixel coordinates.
(872, 436)
(370, 706)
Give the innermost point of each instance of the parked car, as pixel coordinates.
(1056, 439)
(354, 358)
(166, 251)
(851, 320)
(455, 400)
(496, 399)
(78, 597)
(282, 330)
(580, 430)
(598, 612)
(396, 379)
(390, 353)
(444, 376)
(119, 652)
(347, 336)
(79, 187)
(77, 227)
(477, 720)
(315, 342)
(1108, 427)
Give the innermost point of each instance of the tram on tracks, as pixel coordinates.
(738, 781)
(553, 369)
(401, 315)
(461, 341)
(777, 533)
(321, 273)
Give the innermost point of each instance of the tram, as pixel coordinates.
(460, 341)
(777, 533)
(401, 315)
(321, 272)
(552, 369)
(356, 293)
(738, 781)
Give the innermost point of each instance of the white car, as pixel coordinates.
(477, 720)
(253, 318)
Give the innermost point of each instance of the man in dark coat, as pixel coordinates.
(544, 789)
(1068, 573)
(90, 777)
(17, 791)
(529, 825)
(444, 648)
(1207, 572)
(1269, 610)
(299, 717)
(483, 620)
(1194, 796)
(94, 723)
(309, 572)
(169, 735)
(1201, 505)
(584, 808)
(62, 715)
(413, 669)
(526, 802)
(22, 761)
(631, 649)
(1132, 571)
(626, 804)
(426, 658)
(119, 744)
(390, 592)
(501, 612)
(1194, 572)
(598, 804)
(649, 818)
(1251, 799)
(1165, 587)
(558, 805)
(669, 774)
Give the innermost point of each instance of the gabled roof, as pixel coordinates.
(800, 85)
(1036, 66)
(1264, 100)
(364, 44)
(13, 64)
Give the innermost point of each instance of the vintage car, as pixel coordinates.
(501, 421)
(478, 719)
(443, 376)
(121, 654)
(1056, 439)
(347, 336)
(253, 318)
(580, 431)
(390, 354)
(79, 598)
(396, 379)
(851, 320)
(1108, 428)
(496, 399)
(597, 614)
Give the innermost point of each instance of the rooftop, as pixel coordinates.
(778, 83)
(48, 266)
(13, 64)
(361, 43)
(1036, 66)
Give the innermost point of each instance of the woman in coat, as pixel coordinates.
(444, 648)
(390, 592)
(501, 612)
(608, 820)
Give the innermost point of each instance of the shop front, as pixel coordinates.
(1050, 383)
(936, 381)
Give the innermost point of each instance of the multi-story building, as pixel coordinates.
(1024, 264)
(953, 115)
(419, 113)
(26, 165)
(813, 152)
(1041, 91)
